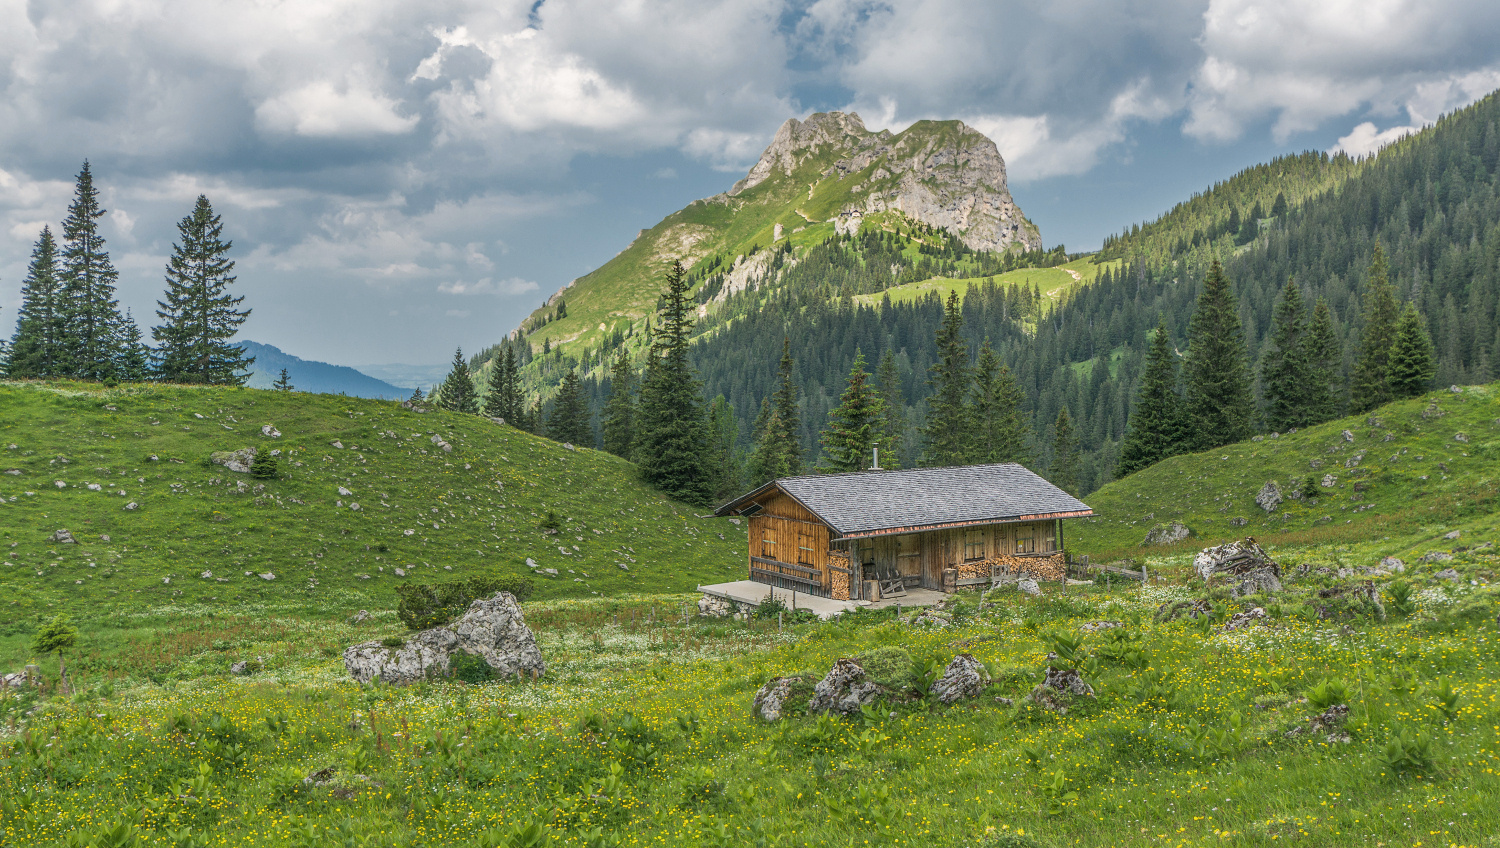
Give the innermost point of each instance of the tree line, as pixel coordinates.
(70, 326)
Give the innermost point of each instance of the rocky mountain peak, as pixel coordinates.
(942, 173)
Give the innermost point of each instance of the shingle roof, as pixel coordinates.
(868, 502)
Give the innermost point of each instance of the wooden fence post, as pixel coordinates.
(1143, 574)
(778, 622)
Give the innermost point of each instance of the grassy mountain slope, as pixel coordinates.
(432, 514)
(1405, 475)
(1054, 282)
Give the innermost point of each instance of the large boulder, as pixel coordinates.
(492, 628)
(1269, 497)
(964, 678)
(238, 461)
(1166, 534)
(844, 690)
(1239, 559)
(1060, 689)
(771, 701)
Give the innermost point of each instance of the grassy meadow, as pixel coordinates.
(640, 732)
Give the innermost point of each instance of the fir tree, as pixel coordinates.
(619, 410)
(769, 458)
(456, 394)
(948, 435)
(1063, 470)
(39, 348)
(134, 364)
(284, 384)
(670, 437)
(1154, 430)
(1369, 385)
(569, 421)
(416, 394)
(1284, 371)
(893, 422)
(1219, 406)
(199, 314)
(1325, 366)
(788, 418)
(723, 463)
(1411, 360)
(56, 636)
(854, 425)
(90, 312)
(264, 466)
(1000, 427)
(1278, 207)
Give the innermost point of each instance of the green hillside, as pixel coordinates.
(1404, 476)
(199, 535)
(1054, 282)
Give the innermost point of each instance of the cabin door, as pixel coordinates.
(909, 556)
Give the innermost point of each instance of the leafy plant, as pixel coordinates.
(1406, 752)
(1327, 693)
(1400, 599)
(1057, 793)
(1448, 701)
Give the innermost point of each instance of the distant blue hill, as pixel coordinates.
(320, 377)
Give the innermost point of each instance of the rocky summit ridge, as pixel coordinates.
(943, 173)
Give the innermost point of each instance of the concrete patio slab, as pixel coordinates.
(753, 594)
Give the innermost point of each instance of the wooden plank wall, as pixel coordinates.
(782, 519)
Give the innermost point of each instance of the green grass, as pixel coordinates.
(1413, 482)
(1054, 283)
(432, 514)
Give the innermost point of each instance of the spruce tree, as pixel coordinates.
(199, 314)
(1411, 361)
(1219, 406)
(618, 418)
(1154, 429)
(723, 461)
(893, 422)
(670, 431)
(1284, 371)
(854, 425)
(1369, 385)
(90, 312)
(134, 364)
(456, 394)
(769, 459)
(1000, 427)
(1062, 472)
(948, 435)
(284, 384)
(569, 421)
(788, 429)
(1325, 366)
(416, 394)
(39, 349)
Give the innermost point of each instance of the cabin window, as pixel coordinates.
(804, 548)
(1049, 537)
(767, 542)
(1025, 538)
(973, 545)
(867, 552)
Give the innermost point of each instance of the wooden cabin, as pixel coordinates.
(845, 536)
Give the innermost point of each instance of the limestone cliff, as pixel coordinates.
(942, 173)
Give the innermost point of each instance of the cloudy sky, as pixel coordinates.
(404, 177)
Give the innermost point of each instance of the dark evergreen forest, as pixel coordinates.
(1432, 200)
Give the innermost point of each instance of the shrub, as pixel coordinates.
(890, 666)
(470, 668)
(426, 605)
(264, 466)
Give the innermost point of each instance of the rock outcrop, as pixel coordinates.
(1166, 534)
(964, 678)
(771, 700)
(942, 173)
(238, 461)
(844, 690)
(1060, 689)
(492, 628)
(1269, 497)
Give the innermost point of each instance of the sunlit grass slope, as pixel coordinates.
(76, 457)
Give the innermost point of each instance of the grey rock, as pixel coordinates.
(1257, 438)
(267, 576)
(238, 461)
(1328, 481)
(1347, 436)
(270, 432)
(344, 492)
(1243, 619)
(1059, 690)
(1236, 558)
(1097, 626)
(1354, 461)
(244, 668)
(1238, 522)
(338, 444)
(844, 690)
(1461, 437)
(770, 701)
(1262, 580)
(1166, 534)
(1269, 497)
(132, 505)
(62, 537)
(1453, 534)
(964, 678)
(360, 617)
(1435, 556)
(1029, 586)
(1447, 574)
(492, 628)
(1393, 564)
(1456, 390)
(530, 563)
